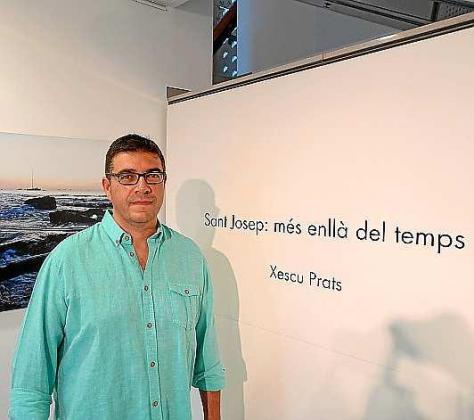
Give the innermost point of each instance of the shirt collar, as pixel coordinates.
(117, 234)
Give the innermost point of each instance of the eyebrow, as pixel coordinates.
(133, 171)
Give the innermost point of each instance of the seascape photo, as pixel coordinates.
(50, 188)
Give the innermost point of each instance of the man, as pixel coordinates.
(120, 321)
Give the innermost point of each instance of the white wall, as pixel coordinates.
(94, 69)
(275, 32)
(395, 341)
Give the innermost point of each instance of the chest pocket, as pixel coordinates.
(185, 304)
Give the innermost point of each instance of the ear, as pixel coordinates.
(106, 184)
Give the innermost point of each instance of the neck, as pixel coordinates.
(138, 231)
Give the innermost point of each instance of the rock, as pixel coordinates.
(33, 247)
(26, 265)
(42, 203)
(89, 217)
(22, 262)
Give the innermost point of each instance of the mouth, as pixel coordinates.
(141, 203)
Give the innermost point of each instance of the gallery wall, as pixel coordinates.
(334, 208)
(93, 69)
(97, 68)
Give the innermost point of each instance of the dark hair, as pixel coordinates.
(132, 143)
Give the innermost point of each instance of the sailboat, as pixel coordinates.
(33, 188)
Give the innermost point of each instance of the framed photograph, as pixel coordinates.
(50, 188)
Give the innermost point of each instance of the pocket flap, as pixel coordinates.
(185, 289)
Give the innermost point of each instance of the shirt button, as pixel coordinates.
(127, 238)
(149, 325)
(132, 254)
(155, 403)
(152, 364)
(186, 291)
(146, 288)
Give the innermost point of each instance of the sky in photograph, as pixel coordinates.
(56, 163)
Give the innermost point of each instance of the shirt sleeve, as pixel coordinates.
(208, 370)
(36, 358)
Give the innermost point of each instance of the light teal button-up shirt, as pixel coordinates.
(111, 341)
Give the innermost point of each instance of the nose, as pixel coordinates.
(142, 186)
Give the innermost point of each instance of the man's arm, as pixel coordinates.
(36, 358)
(208, 370)
(211, 404)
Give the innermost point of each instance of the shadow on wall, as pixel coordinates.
(428, 374)
(199, 196)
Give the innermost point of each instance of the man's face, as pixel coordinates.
(139, 204)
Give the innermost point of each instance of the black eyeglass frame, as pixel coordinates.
(143, 174)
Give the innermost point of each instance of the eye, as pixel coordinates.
(127, 177)
(154, 176)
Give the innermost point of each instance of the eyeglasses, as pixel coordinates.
(132, 178)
